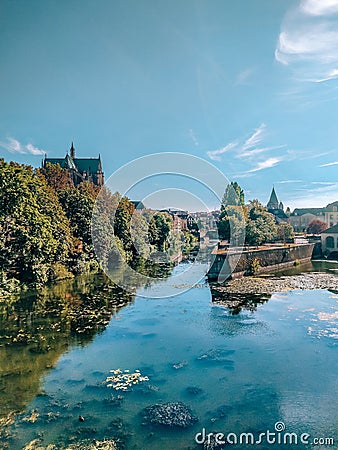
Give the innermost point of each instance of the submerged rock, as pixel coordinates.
(95, 445)
(263, 285)
(219, 355)
(172, 414)
(193, 390)
(212, 444)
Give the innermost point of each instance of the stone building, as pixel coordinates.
(180, 219)
(276, 208)
(80, 169)
(329, 240)
(301, 217)
(331, 214)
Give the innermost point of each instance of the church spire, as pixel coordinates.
(273, 202)
(72, 151)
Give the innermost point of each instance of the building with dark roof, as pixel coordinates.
(80, 169)
(301, 217)
(138, 204)
(276, 208)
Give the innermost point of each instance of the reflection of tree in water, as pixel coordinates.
(140, 273)
(239, 301)
(37, 328)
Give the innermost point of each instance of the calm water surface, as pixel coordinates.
(253, 369)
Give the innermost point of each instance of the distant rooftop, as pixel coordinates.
(330, 230)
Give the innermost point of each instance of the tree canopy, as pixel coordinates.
(316, 226)
(35, 232)
(261, 227)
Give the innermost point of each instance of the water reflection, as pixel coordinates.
(38, 327)
(237, 370)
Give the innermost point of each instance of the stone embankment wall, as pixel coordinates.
(235, 265)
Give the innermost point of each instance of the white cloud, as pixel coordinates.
(335, 163)
(319, 7)
(14, 146)
(308, 40)
(267, 164)
(34, 150)
(216, 154)
(246, 149)
(288, 181)
(250, 151)
(256, 138)
(324, 183)
(257, 151)
(332, 75)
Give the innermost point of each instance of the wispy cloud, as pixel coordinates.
(244, 76)
(193, 137)
(308, 40)
(315, 196)
(215, 155)
(14, 146)
(334, 163)
(256, 138)
(257, 151)
(250, 150)
(288, 181)
(324, 183)
(267, 164)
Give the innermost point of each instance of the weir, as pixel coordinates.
(261, 259)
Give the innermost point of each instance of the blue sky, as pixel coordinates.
(249, 85)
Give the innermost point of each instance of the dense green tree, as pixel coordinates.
(140, 236)
(122, 225)
(231, 223)
(285, 231)
(261, 227)
(233, 196)
(78, 208)
(159, 229)
(35, 233)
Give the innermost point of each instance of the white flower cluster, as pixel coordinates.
(123, 380)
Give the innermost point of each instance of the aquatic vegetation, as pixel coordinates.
(180, 365)
(172, 414)
(83, 445)
(125, 380)
(32, 418)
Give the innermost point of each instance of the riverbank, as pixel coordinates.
(271, 284)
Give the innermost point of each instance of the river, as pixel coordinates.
(237, 372)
